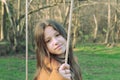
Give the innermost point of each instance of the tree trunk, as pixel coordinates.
(13, 29)
(66, 15)
(18, 15)
(118, 34)
(116, 26)
(74, 37)
(109, 25)
(96, 29)
(2, 22)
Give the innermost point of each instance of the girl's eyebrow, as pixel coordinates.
(47, 38)
(56, 32)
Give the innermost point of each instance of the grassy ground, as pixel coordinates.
(12, 68)
(97, 63)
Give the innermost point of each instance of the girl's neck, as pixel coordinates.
(60, 58)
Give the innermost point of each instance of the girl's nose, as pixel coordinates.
(55, 41)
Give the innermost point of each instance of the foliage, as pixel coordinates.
(83, 23)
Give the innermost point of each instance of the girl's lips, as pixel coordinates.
(58, 47)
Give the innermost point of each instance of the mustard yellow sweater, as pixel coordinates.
(54, 75)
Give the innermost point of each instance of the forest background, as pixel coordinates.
(94, 22)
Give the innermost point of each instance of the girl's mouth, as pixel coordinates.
(58, 47)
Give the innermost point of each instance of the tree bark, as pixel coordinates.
(96, 29)
(18, 15)
(74, 36)
(116, 26)
(2, 22)
(109, 25)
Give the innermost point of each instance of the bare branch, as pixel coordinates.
(34, 11)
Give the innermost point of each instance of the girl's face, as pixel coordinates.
(56, 43)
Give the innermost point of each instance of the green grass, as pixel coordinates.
(12, 68)
(97, 62)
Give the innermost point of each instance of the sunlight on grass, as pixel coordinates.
(97, 49)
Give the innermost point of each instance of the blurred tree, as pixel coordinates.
(2, 21)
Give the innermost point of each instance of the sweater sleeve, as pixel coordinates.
(55, 75)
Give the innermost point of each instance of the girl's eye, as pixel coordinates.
(47, 41)
(57, 34)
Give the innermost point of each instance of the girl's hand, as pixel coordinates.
(64, 70)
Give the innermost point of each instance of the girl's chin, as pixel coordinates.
(62, 55)
(59, 53)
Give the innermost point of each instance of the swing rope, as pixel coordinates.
(26, 20)
(68, 37)
(69, 31)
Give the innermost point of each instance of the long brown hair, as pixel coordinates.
(42, 52)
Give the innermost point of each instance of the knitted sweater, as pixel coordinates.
(54, 74)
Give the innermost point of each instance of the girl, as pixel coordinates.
(50, 38)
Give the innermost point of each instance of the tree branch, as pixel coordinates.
(31, 12)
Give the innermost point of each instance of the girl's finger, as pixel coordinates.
(67, 71)
(64, 66)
